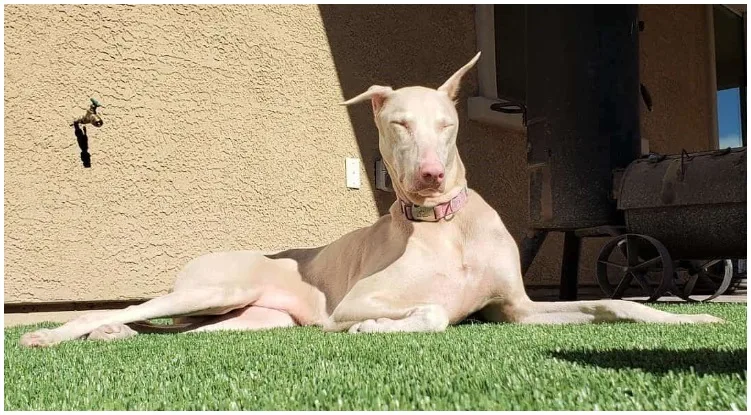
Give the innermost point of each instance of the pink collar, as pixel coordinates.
(437, 212)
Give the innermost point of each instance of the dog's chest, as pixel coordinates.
(459, 279)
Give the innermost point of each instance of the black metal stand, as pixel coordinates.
(570, 266)
(571, 158)
(530, 246)
(572, 241)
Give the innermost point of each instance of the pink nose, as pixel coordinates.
(431, 174)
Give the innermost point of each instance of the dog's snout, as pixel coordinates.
(431, 174)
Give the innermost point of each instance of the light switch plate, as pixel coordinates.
(352, 166)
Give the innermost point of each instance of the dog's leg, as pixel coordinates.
(247, 318)
(210, 300)
(595, 311)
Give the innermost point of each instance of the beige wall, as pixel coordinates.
(222, 132)
(675, 67)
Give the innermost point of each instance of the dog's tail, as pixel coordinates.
(147, 327)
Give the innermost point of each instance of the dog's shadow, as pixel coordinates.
(661, 361)
(83, 144)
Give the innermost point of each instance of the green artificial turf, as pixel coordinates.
(469, 367)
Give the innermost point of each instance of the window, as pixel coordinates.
(730, 68)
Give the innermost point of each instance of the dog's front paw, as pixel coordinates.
(40, 338)
(355, 328)
(381, 325)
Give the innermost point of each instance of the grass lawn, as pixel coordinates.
(469, 367)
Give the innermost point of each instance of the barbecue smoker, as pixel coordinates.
(676, 221)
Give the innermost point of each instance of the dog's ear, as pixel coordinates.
(451, 86)
(376, 94)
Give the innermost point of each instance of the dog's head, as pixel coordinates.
(417, 135)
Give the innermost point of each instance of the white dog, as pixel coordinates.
(441, 254)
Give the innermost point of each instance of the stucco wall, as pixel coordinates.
(222, 132)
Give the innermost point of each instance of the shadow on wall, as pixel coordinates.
(83, 143)
(396, 46)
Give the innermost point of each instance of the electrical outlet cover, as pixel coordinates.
(383, 181)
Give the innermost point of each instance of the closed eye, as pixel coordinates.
(444, 125)
(401, 124)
